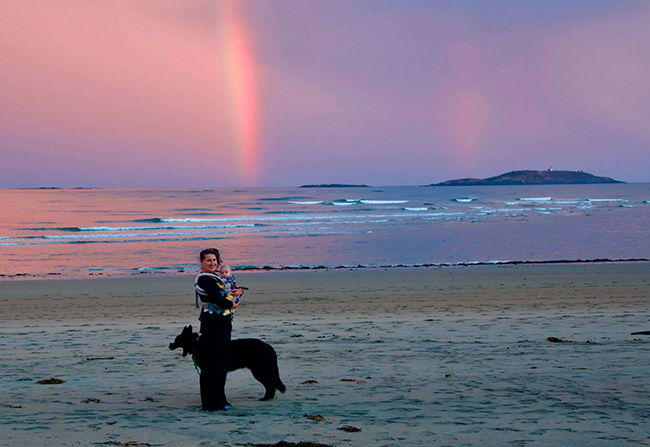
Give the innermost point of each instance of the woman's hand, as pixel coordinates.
(235, 304)
(237, 292)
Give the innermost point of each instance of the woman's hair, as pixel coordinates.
(210, 251)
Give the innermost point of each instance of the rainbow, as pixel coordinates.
(242, 76)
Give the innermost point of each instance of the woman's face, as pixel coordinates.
(209, 263)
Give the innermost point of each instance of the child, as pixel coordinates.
(229, 281)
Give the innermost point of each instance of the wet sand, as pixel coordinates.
(418, 357)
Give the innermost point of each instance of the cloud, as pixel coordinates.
(397, 93)
(108, 76)
(599, 69)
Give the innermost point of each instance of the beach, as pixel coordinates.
(435, 356)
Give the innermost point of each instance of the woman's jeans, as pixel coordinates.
(215, 338)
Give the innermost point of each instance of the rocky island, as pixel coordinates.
(548, 177)
(334, 185)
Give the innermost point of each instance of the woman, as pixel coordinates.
(215, 332)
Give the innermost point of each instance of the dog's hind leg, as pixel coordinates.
(261, 375)
(270, 393)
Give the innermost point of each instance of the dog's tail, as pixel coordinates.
(280, 386)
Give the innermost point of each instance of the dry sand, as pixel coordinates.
(411, 357)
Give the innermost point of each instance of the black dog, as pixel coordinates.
(249, 353)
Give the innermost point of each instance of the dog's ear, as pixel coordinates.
(190, 328)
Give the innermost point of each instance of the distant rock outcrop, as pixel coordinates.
(548, 177)
(334, 185)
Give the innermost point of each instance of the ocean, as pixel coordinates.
(95, 232)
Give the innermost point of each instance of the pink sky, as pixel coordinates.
(165, 93)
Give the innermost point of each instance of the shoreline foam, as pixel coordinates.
(171, 272)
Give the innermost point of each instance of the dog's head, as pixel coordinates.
(185, 340)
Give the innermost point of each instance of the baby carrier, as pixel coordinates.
(210, 307)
